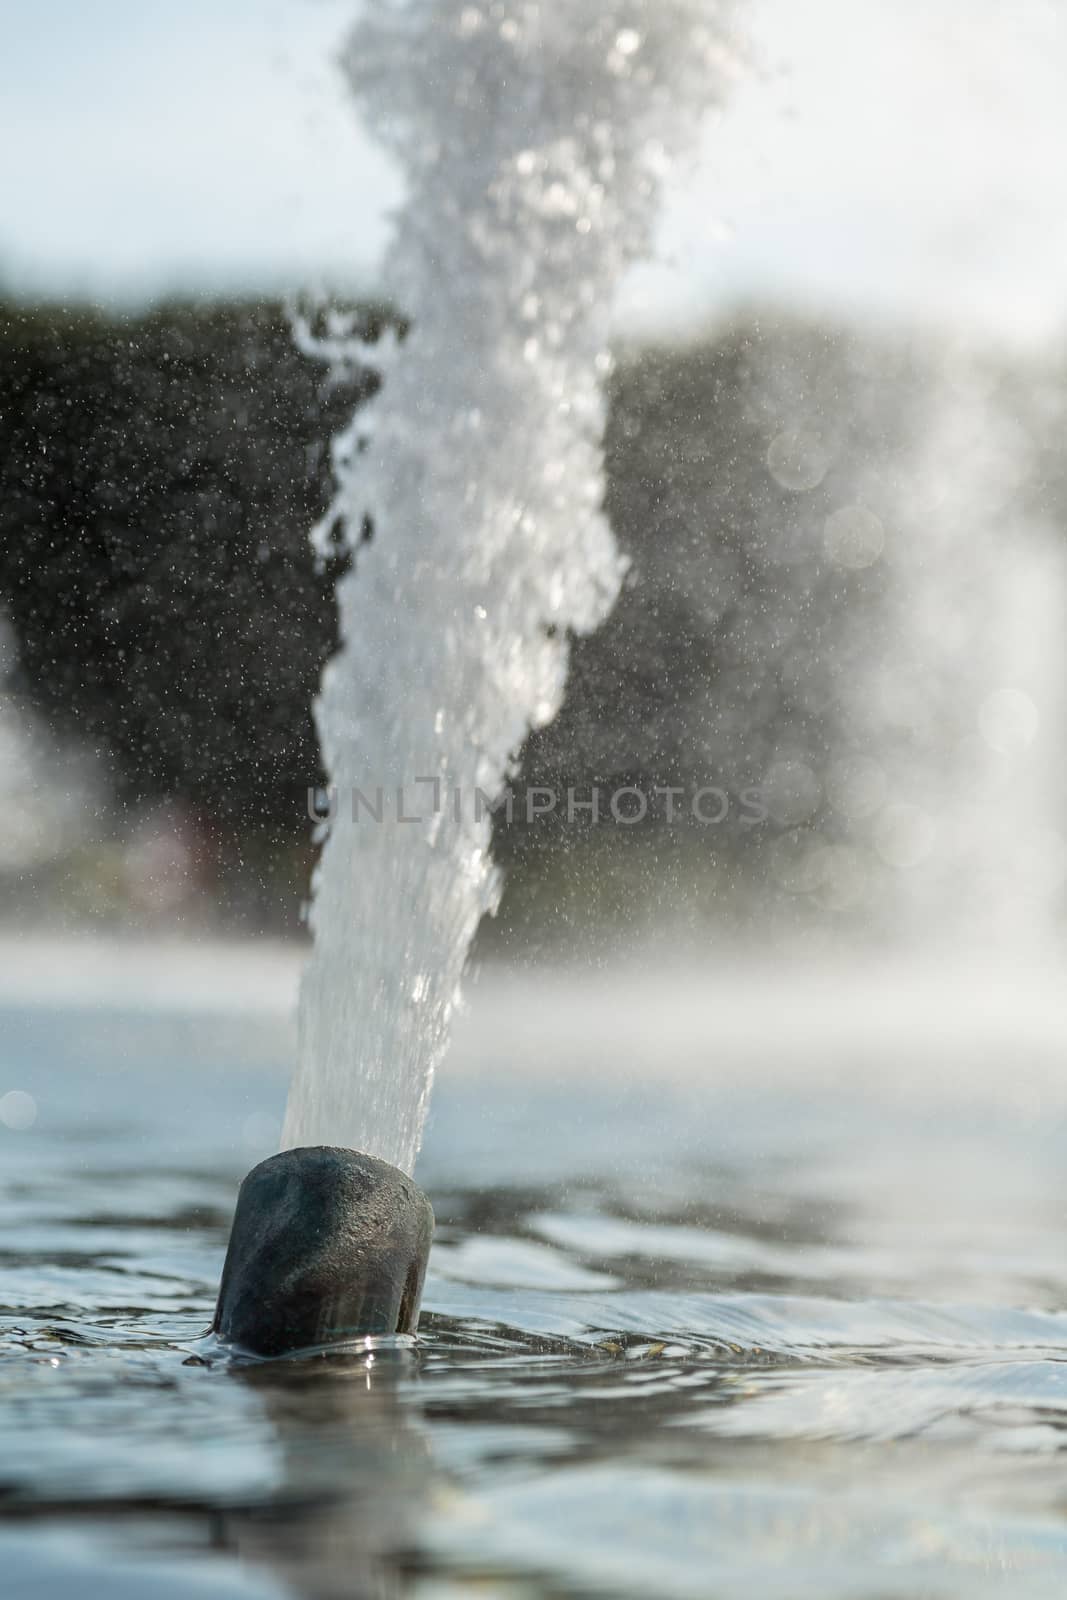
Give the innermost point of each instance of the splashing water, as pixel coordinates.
(894, 649)
(535, 139)
(958, 699)
(944, 790)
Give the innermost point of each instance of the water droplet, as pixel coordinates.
(798, 460)
(853, 537)
(18, 1110)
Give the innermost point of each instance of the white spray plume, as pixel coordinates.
(534, 139)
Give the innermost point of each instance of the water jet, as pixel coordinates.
(535, 155)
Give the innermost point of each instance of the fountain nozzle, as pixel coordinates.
(327, 1245)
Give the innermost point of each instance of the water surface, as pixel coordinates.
(715, 1306)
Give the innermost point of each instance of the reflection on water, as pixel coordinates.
(355, 1475)
(715, 1307)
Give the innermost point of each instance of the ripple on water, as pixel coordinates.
(755, 1376)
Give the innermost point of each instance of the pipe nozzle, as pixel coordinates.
(327, 1245)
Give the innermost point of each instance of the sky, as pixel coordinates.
(903, 160)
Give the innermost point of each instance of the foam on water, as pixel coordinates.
(535, 139)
